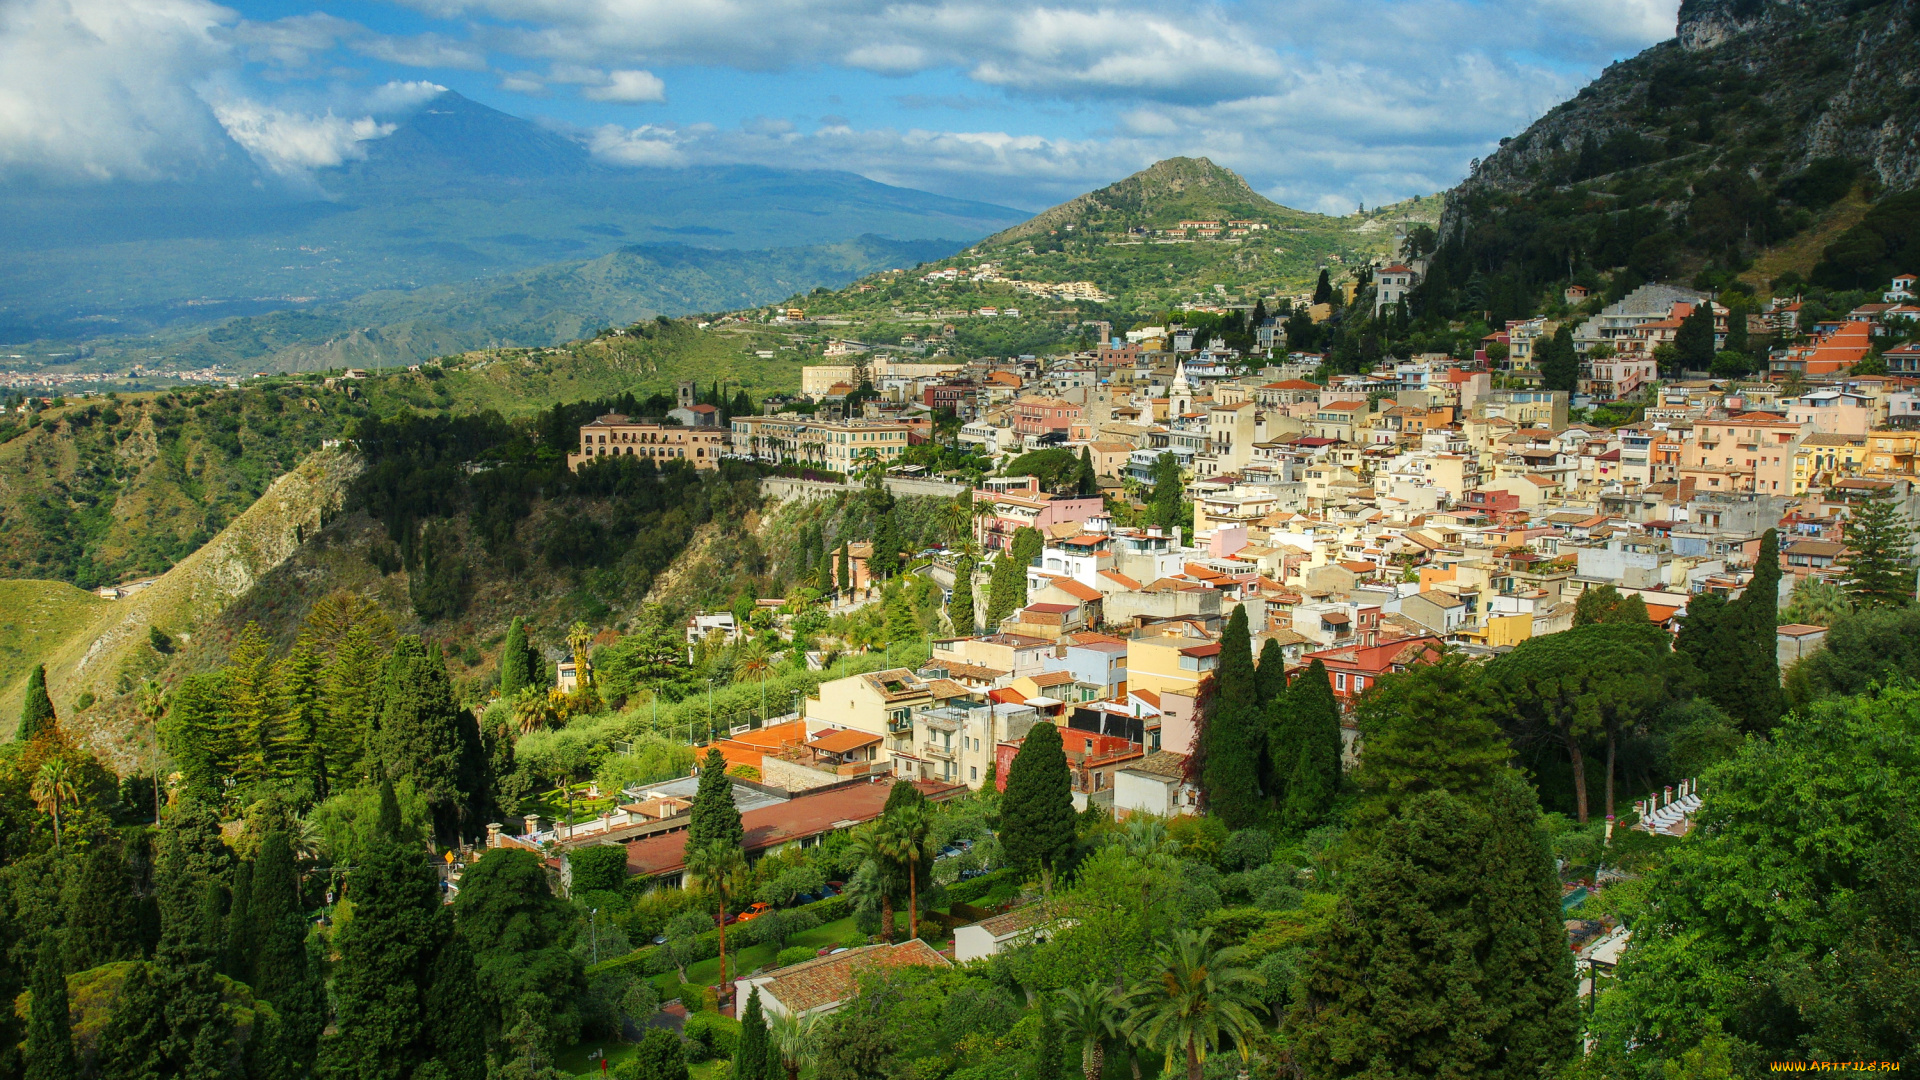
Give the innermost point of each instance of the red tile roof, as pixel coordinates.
(771, 826)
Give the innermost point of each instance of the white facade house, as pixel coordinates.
(1156, 784)
(1022, 926)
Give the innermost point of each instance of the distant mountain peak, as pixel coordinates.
(1160, 194)
(454, 134)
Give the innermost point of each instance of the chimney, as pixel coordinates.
(1666, 796)
(493, 835)
(533, 824)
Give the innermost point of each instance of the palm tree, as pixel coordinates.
(753, 662)
(52, 786)
(1196, 996)
(719, 866)
(868, 850)
(792, 1036)
(1092, 1013)
(533, 709)
(902, 839)
(578, 639)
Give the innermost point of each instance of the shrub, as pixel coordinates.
(797, 954)
(602, 866)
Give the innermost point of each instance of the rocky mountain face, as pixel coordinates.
(1697, 155)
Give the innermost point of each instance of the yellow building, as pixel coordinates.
(837, 445)
(1158, 662)
(1501, 630)
(614, 435)
(1821, 459)
(1891, 453)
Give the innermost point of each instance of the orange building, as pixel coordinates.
(1832, 352)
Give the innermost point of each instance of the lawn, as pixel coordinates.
(739, 961)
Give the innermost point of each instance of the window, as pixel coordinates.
(973, 773)
(1340, 681)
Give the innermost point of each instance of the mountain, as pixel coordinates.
(457, 192)
(1762, 128)
(1126, 240)
(544, 306)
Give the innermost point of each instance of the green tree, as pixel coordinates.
(1036, 811)
(515, 669)
(1165, 502)
(960, 604)
(1230, 734)
(421, 736)
(1746, 681)
(885, 560)
(1864, 647)
(353, 695)
(1560, 363)
(1047, 1051)
(102, 915)
(1090, 1012)
(659, 1056)
(750, 1061)
(49, 1046)
(1304, 747)
(845, 578)
(1789, 915)
(255, 710)
(303, 698)
(1194, 997)
(1447, 955)
(1605, 605)
(902, 839)
(791, 1045)
(1007, 589)
(1086, 481)
(1587, 683)
(1271, 676)
(517, 933)
(385, 950)
(280, 970)
(36, 711)
(130, 1041)
(1694, 340)
(719, 867)
(1879, 541)
(461, 1031)
(1323, 288)
(714, 815)
(1429, 728)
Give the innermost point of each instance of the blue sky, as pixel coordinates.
(1320, 104)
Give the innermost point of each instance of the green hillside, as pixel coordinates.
(36, 617)
(110, 489)
(1125, 240)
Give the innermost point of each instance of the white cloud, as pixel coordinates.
(628, 87)
(397, 97)
(102, 88)
(291, 144)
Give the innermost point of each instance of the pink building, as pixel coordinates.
(1024, 505)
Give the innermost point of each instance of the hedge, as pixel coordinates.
(966, 892)
(650, 960)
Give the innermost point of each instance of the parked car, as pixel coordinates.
(754, 911)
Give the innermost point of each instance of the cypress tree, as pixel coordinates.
(1528, 968)
(750, 1060)
(421, 733)
(459, 1028)
(1701, 636)
(238, 953)
(1230, 737)
(845, 578)
(129, 1046)
(1086, 481)
(13, 980)
(884, 562)
(1314, 780)
(385, 952)
(49, 1048)
(36, 712)
(823, 574)
(1560, 366)
(1271, 677)
(189, 888)
(960, 605)
(1750, 679)
(1006, 587)
(1036, 812)
(714, 815)
(514, 675)
(101, 913)
(282, 972)
(1323, 288)
(902, 794)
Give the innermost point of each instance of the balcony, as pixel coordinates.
(939, 750)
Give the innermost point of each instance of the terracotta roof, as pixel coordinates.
(781, 823)
(839, 742)
(1052, 609)
(1120, 579)
(1012, 922)
(826, 981)
(1051, 678)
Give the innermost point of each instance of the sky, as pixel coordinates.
(1320, 104)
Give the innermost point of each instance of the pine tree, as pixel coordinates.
(750, 1060)
(385, 951)
(714, 816)
(1314, 780)
(49, 1047)
(353, 706)
(190, 888)
(960, 604)
(36, 712)
(1230, 735)
(1606, 605)
(1429, 728)
(823, 574)
(254, 707)
(1036, 812)
(300, 678)
(281, 970)
(1271, 677)
(101, 913)
(130, 1041)
(1879, 539)
(514, 675)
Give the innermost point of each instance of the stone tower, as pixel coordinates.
(686, 394)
